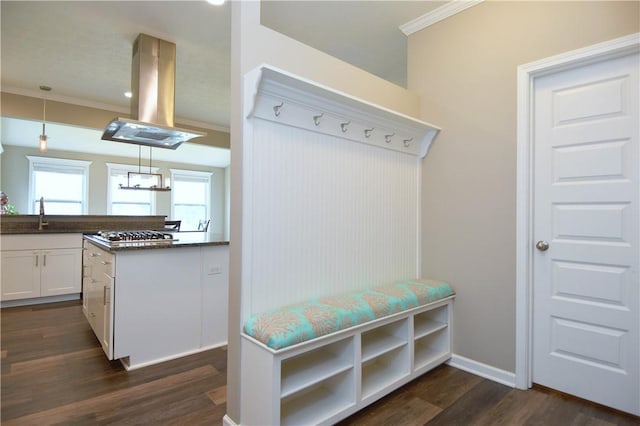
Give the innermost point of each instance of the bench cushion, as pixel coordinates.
(282, 327)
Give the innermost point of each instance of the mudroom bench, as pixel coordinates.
(321, 361)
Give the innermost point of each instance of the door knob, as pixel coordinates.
(542, 245)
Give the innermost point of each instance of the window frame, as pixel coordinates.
(205, 177)
(52, 163)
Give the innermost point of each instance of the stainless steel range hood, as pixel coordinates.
(153, 98)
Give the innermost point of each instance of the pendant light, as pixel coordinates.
(43, 137)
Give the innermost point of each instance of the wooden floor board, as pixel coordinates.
(55, 373)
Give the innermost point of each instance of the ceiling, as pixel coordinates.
(82, 49)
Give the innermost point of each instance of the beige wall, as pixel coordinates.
(15, 181)
(27, 107)
(464, 69)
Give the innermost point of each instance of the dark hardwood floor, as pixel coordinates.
(55, 373)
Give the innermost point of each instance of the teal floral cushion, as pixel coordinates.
(282, 327)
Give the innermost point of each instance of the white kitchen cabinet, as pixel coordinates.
(36, 266)
(99, 285)
(150, 305)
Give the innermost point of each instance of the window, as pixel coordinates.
(190, 198)
(129, 202)
(61, 182)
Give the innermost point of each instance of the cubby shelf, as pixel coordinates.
(318, 403)
(309, 369)
(324, 381)
(384, 339)
(384, 371)
(427, 327)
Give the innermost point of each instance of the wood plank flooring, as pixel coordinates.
(55, 373)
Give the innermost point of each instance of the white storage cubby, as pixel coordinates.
(324, 380)
(432, 338)
(323, 400)
(313, 367)
(385, 356)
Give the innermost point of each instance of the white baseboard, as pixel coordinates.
(39, 300)
(129, 367)
(226, 421)
(483, 370)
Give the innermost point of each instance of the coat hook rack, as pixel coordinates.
(367, 132)
(276, 109)
(344, 126)
(316, 119)
(406, 142)
(387, 138)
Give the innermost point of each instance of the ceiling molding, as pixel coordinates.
(437, 15)
(52, 96)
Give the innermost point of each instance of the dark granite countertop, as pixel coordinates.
(180, 239)
(84, 224)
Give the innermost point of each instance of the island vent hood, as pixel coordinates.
(153, 74)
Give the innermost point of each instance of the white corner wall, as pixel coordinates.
(253, 45)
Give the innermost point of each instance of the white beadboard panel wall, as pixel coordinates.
(328, 216)
(330, 192)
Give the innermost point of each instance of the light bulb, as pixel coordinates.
(43, 143)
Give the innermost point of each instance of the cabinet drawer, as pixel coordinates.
(98, 261)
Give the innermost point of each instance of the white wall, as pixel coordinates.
(252, 45)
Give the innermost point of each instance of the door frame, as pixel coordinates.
(526, 76)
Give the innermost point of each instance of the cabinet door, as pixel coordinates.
(106, 338)
(60, 271)
(86, 278)
(88, 300)
(20, 274)
(94, 305)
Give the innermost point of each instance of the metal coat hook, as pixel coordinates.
(343, 126)
(316, 118)
(276, 109)
(367, 132)
(387, 138)
(406, 142)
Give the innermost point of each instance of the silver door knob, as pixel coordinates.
(542, 245)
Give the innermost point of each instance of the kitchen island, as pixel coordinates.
(150, 303)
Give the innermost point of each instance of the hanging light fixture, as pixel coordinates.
(155, 179)
(43, 137)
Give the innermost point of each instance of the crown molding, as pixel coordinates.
(52, 96)
(437, 15)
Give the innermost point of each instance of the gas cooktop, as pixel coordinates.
(142, 237)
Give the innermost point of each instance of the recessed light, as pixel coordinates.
(128, 94)
(216, 2)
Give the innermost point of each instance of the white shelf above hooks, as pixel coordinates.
(293, 101)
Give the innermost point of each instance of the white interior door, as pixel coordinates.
(586, 193)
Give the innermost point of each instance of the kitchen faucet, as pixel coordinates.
(41, 223)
